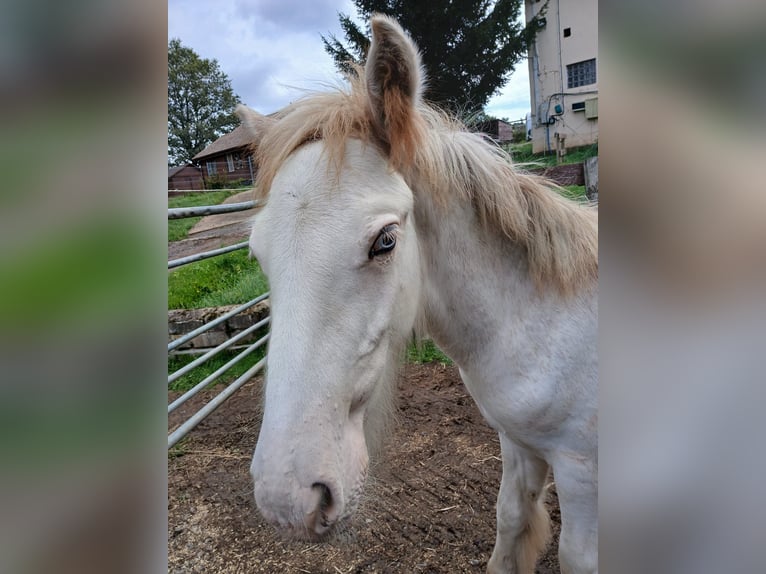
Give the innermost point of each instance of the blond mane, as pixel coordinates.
(559, 236)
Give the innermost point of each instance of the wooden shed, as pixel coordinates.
(186, 178)
(228, 159)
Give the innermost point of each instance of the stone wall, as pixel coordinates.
(568, 174)
(182, 321)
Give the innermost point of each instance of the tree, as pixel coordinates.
(200, 103)
(468, 47)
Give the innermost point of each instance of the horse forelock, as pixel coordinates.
(438, 156)
(334, 117)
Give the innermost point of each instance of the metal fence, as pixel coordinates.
(232, 387)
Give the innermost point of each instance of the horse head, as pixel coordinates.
(338, 243)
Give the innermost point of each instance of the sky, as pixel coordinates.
(272, 50)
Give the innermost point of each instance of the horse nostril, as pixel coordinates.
(325, 500)
(325, 515)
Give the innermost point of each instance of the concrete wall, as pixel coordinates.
(548, 60)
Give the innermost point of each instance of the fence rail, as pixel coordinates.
(205, 255)
(182, 212)
(174, 344)
(191, 422)
(214, 375)
(205, 411)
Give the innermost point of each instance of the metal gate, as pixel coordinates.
(231, 388)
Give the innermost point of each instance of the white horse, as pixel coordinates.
(382, 216)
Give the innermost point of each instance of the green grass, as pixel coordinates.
(522, 153)
(228, 279)
(576, 192)
(179, 449)
(187, 381)
(179, 228)
(426, 352)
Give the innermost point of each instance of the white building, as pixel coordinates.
(563, 74)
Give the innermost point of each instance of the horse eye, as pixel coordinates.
(385, 241)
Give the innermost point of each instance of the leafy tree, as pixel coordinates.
(200, 103)
(469, 47)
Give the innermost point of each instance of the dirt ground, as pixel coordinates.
(430, 506)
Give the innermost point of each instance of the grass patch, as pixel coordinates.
(575, 192)
(194, 376)
(421, 352)
(522, 153)
(579, 155)
(178, 449)
(228, 279)
(179, 228)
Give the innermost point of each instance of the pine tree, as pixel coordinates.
(469, 47)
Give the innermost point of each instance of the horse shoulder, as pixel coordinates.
(542, 392)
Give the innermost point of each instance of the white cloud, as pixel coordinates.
(272, 49)
(294, 14)
(513, 100)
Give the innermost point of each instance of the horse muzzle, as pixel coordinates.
(304, 512)
(304, 508)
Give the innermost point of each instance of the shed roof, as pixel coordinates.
(237, 138)
(178, 169)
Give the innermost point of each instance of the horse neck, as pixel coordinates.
(476, 284)
(468, 274)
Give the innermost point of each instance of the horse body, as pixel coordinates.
(383, 218)
(528, 359)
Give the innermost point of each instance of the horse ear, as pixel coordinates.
(256, 124)
(394, 85)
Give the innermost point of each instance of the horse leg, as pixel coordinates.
(523, 528)
(577, 487)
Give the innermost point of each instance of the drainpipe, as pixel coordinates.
(558, 37)
(537, 103)
(561, 62)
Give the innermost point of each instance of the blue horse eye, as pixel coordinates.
(385, 241)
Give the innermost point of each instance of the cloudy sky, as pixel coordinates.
(272, 49)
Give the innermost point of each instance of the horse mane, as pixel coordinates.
(559, 236)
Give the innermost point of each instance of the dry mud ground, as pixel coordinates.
(430, 505)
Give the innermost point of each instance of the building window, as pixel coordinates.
(581, 73)
(211, 168)
(230, 162)
(567, 32)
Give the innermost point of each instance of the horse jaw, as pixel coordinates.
(340, 320)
